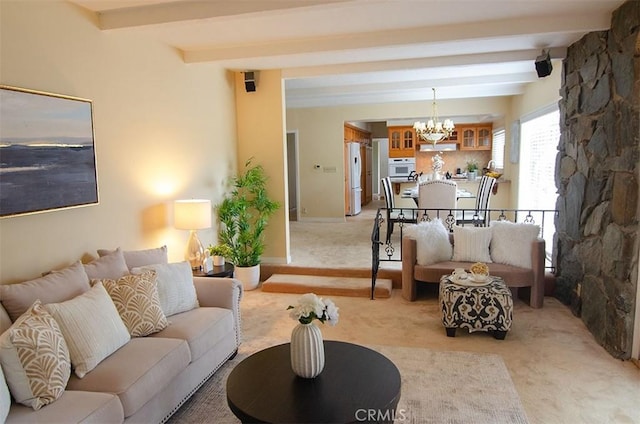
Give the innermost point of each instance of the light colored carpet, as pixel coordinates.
(437, 387)
(326, 286)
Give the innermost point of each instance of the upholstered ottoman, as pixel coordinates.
(478, 307)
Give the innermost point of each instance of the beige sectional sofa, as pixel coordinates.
(147, 378)
(512, 251)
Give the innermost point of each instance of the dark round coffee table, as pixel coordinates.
(357, 385)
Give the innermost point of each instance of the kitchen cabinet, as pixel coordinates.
(354, 134)
(475, 137)
(402, 142)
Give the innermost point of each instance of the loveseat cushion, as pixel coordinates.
(137, 371)
(515, 276)
(202, 328)
(72, 407)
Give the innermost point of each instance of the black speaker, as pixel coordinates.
(543, 65)
(249, 82)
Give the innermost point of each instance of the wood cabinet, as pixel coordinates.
(357, 135)
(475, 136)
(402, 142)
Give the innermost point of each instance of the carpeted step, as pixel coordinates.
(326, 286)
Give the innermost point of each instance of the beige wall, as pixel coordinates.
(163, 130)
(262, 136)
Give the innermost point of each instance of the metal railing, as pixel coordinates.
(398, 218)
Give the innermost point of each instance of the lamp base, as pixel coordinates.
(195, 251)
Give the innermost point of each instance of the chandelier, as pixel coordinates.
(434, 130)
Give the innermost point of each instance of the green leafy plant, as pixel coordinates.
(244, 215)
(220, 250)
(472, 165)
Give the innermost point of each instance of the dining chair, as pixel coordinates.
(479, 218)
(437, 194)
(393, 216)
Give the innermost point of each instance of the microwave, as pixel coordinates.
(401, 167)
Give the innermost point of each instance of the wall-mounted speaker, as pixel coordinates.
(250, 81)
(543, 65)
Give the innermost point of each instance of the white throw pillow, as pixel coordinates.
(5, 398)
(175, 287)
(35, 358)
(511, 242)
(92, 327)
(471, 244)
(144, 257)
(432, 241)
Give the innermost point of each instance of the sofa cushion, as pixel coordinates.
(471, 244)
(72, 407)
(201, 328)
(432, 241)
(513, 276)
(511, 242)
(91, 326)
(137, 302)
(175, 286)
(137, 371)
(35, 358)
(57, 286)
(138, 258)
(107, 266)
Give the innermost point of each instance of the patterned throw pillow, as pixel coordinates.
(91, 326)
(35, 358)
(137, 302)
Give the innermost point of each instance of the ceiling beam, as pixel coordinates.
(190, 10)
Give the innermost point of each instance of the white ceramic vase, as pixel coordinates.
(249, 276)
(218, 260)
(307, 350)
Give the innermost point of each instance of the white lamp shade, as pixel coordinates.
(194, 214)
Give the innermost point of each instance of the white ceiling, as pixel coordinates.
(334, 52)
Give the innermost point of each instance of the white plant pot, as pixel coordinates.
(307, 350)
(218, 260)
(249, 276)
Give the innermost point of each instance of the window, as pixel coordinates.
(538, 150)
(497, 149)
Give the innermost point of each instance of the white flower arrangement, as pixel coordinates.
(310, 307)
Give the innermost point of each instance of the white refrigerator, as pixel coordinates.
(355, 169)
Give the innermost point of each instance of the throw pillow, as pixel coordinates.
(175, 287)
(57, 286)
(112, 266)
(92, 327)
(471, 244)
(137, 302)
(511, 242)
(432, 241)
(138, 258)
(35, 358)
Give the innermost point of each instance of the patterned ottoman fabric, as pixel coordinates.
(487, 307)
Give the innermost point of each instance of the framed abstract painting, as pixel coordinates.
(47, 152)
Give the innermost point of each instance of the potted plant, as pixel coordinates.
(243, 217)
(219, 253)
(472, 169)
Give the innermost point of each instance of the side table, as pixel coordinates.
(478, 307)
(225, 270)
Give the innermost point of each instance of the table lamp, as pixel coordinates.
(193, 215)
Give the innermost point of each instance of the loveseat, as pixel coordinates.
(512, 251)
(165, 332)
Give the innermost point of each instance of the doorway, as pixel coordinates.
(292, 174)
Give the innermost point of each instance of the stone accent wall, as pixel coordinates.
(597, 178)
